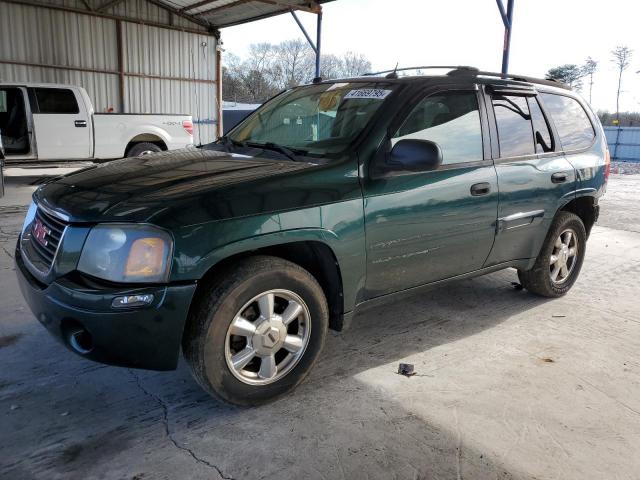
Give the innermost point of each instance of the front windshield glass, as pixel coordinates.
(318, 119)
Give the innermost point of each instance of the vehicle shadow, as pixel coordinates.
(162, 425)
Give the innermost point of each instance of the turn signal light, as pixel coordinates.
(146, 258)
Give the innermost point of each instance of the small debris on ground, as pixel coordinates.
(558, 316)
(14, 407)
(547, 360)
(517, 286)
(64, 414)
(406, 369)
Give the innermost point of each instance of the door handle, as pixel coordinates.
(80, 123)
(559, 177)
(480, 189)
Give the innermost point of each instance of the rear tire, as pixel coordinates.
(143, 148)
(558, 265)
(229, 325)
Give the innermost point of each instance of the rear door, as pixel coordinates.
(534, 176)
(61, 123)
(427, 226)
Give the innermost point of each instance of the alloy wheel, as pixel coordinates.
(267, 337)
(563, 257)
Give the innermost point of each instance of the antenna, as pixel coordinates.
(394, 73)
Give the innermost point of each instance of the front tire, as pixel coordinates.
(256, 333)
(558, 265)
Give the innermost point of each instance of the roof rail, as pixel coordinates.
(524, 78)
(425, 67)
(464, 70)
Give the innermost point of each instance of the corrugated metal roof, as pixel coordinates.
(225, 13)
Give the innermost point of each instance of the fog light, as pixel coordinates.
(132, 301)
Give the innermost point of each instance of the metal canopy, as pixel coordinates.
(226, 13)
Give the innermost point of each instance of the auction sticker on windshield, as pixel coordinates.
(374, 93)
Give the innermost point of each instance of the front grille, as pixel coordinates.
(40, 240)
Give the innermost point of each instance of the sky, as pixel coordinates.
(546, 33)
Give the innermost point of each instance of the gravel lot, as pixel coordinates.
(509, 386)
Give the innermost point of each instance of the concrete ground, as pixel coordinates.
(509, 386)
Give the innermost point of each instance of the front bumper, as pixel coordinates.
(147, 337)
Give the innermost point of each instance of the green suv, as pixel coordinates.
(246, 251)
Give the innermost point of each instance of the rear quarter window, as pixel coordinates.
(571, 121)
(56, 100)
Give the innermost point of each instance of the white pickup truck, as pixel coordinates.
(57, 122)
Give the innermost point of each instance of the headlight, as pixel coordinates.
(127, 253)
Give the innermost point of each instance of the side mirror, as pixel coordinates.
(414, 155)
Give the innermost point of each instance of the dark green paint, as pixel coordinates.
(388, 233)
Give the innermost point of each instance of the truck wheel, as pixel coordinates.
(143, 148)
(559, 262)
(256, 332)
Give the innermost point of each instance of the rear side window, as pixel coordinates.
(571, 121)
(56, 100)
(515, 133)
(452, 120)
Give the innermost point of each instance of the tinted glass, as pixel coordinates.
(451, 120)
(515, 133)
(56, 100)
(3, 101)
(571, 121)
(541, 132)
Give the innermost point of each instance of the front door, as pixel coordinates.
(15, 123)
(62, 124)
(424, 227)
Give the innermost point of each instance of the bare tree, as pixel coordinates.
(622, 59)
(589, 68)
(294, 61)
(332, 66)
(268, 68)
(355, 64)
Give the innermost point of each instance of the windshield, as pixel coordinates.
(317, 119)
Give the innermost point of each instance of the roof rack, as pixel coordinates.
(465, 70)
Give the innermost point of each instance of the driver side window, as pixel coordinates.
(452, 120)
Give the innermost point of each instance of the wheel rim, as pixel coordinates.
(564, 256)
(267, 337)
(145, 152)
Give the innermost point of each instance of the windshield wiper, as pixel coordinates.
(291, 154)
(229, 142)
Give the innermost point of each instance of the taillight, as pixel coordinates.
(188, 126)
(607, 165)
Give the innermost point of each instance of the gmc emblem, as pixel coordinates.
(41, 232)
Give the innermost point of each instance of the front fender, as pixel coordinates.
(339, 226)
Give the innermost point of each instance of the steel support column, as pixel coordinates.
(314, 46)
(507, 20)
(120, 48)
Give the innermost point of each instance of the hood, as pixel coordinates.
(177, 187)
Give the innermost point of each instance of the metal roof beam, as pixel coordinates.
(177, 12)
(224, 7)
(197, 5)
(108, 5)
(63, 8)
(312, 7)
